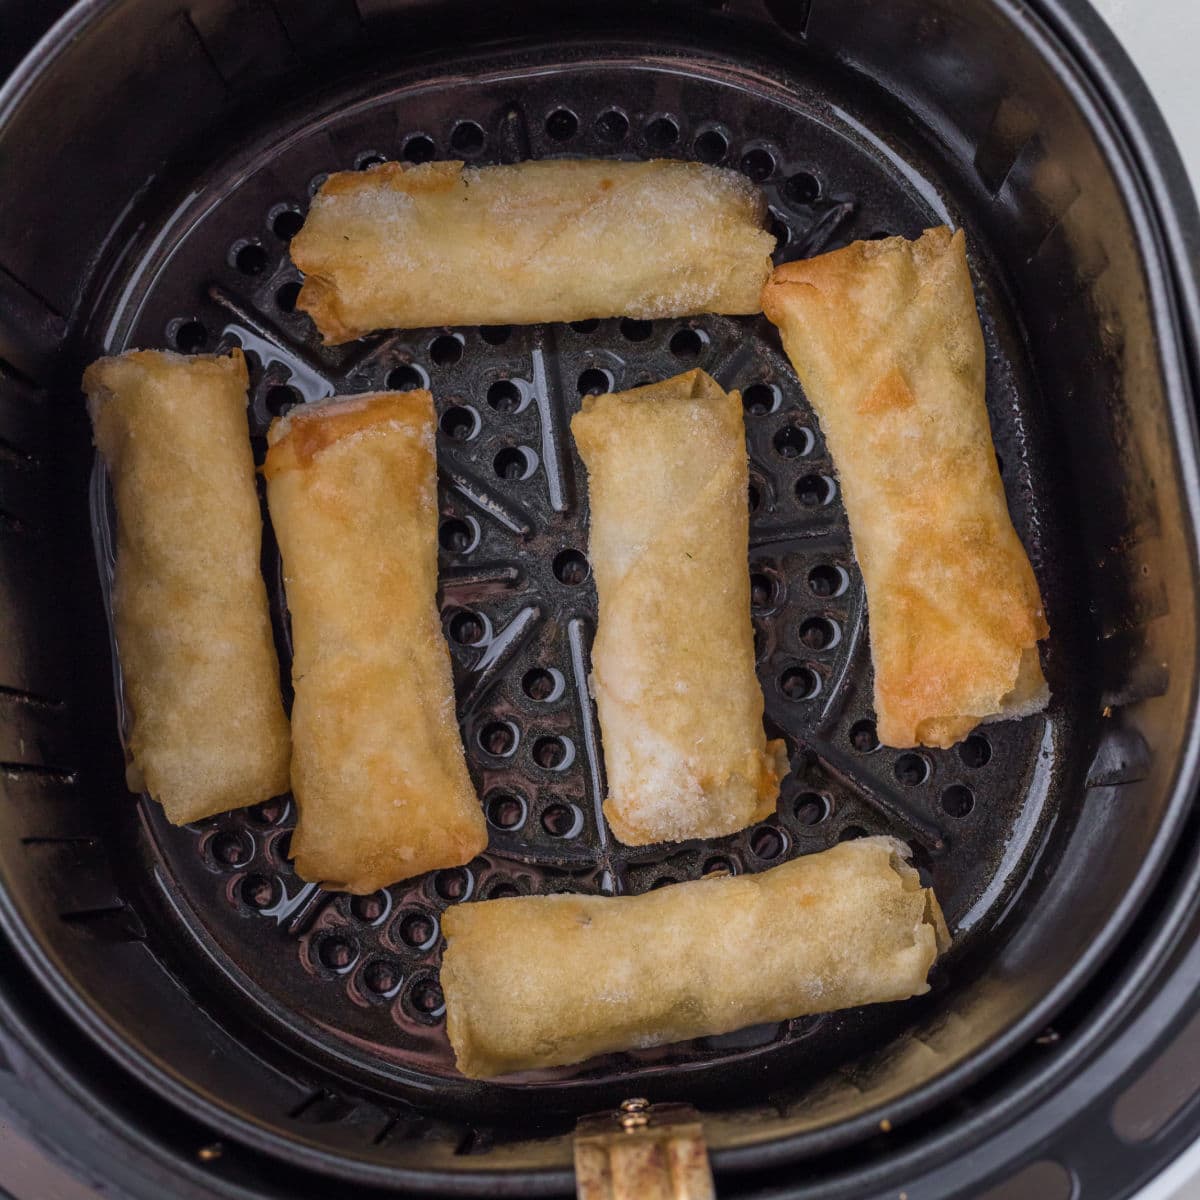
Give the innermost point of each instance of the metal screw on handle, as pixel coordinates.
(642, 1152)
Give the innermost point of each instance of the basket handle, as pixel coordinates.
(642, 1151)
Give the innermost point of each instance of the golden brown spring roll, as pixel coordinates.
(886, 340)
(208, 732)
(446, 244)
(673, 661)
(538, 981)
(377, 764)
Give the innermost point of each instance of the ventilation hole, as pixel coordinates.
(337, 953)
(661, 133)
(281, 847)
(754, 496)
(506, 811)
(800, 683)
(553, 753)
(268, 812)
(418, 149)
(286, 223)
(317, 182)
(802, 188)
(710, 146)
(405, 378)
(912, 769)
(366, 161)
(826, 581)
(499, 738)
(852, 833)
(458, 536)
(467, 628)
(382, 978)
(427, 998)
(258, 892)
(594, 382)
(286, 296)
(562, 820)
(636, 331)
(764, 591)
(250, 258)
(976, 751)
(588, 326)
(190, 337)
(760, 398)
(446, 349)
(231, 848)
(778, 229)
(758, 164)
(370, 908)
(793, 441)
(542, 684)
(504, 396)
(467, 138)
(719, 863)
(562, 124)
(571, 567)
(662, 881)
(819, 633)
(459, 423)
(515, 462)
(767, 842)
(811, 808)
(418, 930)
(814, 491)
(863, 737)
(280, 398)
(687, 343)
(503, 890)
(495, 335)
(957, 800)
(453, 885)
(613, 125)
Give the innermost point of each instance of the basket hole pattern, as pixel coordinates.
(527, 748)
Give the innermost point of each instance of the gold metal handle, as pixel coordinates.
(642, 1151)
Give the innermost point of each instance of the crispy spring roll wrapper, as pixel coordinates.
(402, 246)
(208, 732)
(538, 981)
(886, 341)
(378, 770)
(673, 661)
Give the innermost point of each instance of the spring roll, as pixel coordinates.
(886, 341)
(378, 770)
(539, 981)
(673, 661)
(207, 731)
(445, 244)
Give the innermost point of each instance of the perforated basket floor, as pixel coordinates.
(353, 981)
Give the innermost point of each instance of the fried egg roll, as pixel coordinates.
(378, 770)
(402, 246)
(539, 981)
(887, 344)
(207, 728)
(673, 661)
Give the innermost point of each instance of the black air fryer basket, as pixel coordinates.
(181, 1016)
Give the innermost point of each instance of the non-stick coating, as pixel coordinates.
(356, 978)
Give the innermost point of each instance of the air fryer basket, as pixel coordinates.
(193, 1011)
